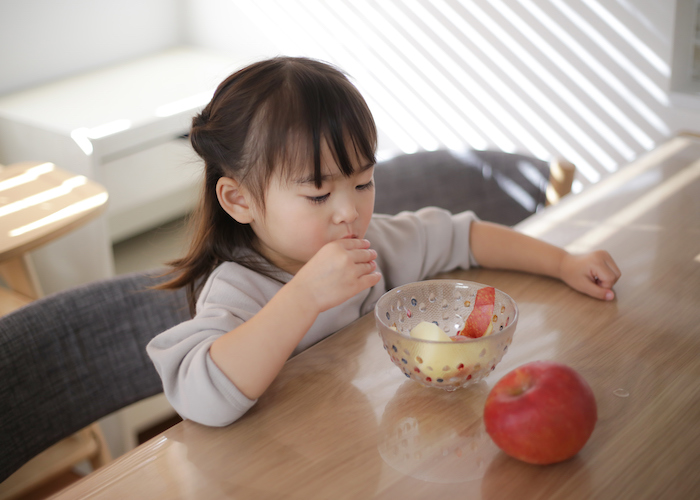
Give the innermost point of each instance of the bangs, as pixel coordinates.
(312, 104)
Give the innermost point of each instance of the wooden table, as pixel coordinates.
(341, 421)
(39, 203)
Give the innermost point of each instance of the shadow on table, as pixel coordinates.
(284, 448)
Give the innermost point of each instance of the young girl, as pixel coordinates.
(287, 249)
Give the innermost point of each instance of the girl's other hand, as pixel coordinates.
(338, 271)
(593, 273)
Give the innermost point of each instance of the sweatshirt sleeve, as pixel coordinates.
(196, 388)
(412, 246)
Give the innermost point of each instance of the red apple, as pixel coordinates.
(479, 321)
(541, 412)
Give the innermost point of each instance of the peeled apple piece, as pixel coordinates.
(429, 331)
(443, 358)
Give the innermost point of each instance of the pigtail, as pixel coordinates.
(192, 270)
(199, 136)
(215, 237)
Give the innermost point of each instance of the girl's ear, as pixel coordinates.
(233, 198)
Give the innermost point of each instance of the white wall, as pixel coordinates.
(584, 79)
(221, 25)
(42, 40)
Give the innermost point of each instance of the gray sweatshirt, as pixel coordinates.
(411, 246)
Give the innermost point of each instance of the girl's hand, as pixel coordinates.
(340, 270)
(593, 273)
(252, 354)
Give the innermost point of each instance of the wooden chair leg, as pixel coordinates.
(103, 455)
(86, 444)
(20, 276)
(561, 176)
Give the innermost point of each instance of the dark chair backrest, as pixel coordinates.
(73, 357)
(499, 187)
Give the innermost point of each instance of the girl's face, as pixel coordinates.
(300, 218)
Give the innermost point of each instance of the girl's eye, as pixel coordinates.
(318, 199)
(363, 187)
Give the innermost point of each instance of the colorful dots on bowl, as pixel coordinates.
(446, 304)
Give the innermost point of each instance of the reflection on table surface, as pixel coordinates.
(342, 421)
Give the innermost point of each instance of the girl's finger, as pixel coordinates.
(354, 243)
(606, 258)
(596, 290)
(364, 255)
(612, 265)
(370, 279)
(369, 266)
(608, 276)
(601, 285)
(604, 279)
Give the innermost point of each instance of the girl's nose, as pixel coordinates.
(345, 212)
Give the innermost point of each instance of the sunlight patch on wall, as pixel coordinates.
(438, 114)
(634, 12)
(446, 109)
(575, 76)
(481, 97)
(634, 42)
(387, 88)
(287, 26)
(525, 76)
(609, 78)
(605, 104)
(556, 115)
(502, 90)
(607, 46)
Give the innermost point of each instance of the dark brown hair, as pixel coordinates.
(271, 114)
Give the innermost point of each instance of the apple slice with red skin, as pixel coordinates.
(479, 321)
(542, 412)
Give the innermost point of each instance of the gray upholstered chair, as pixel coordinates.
(71, 358)
(499, 187)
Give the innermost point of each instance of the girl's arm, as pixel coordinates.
(252, 354)
(499, 247)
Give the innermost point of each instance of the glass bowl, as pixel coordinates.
(448, 303)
